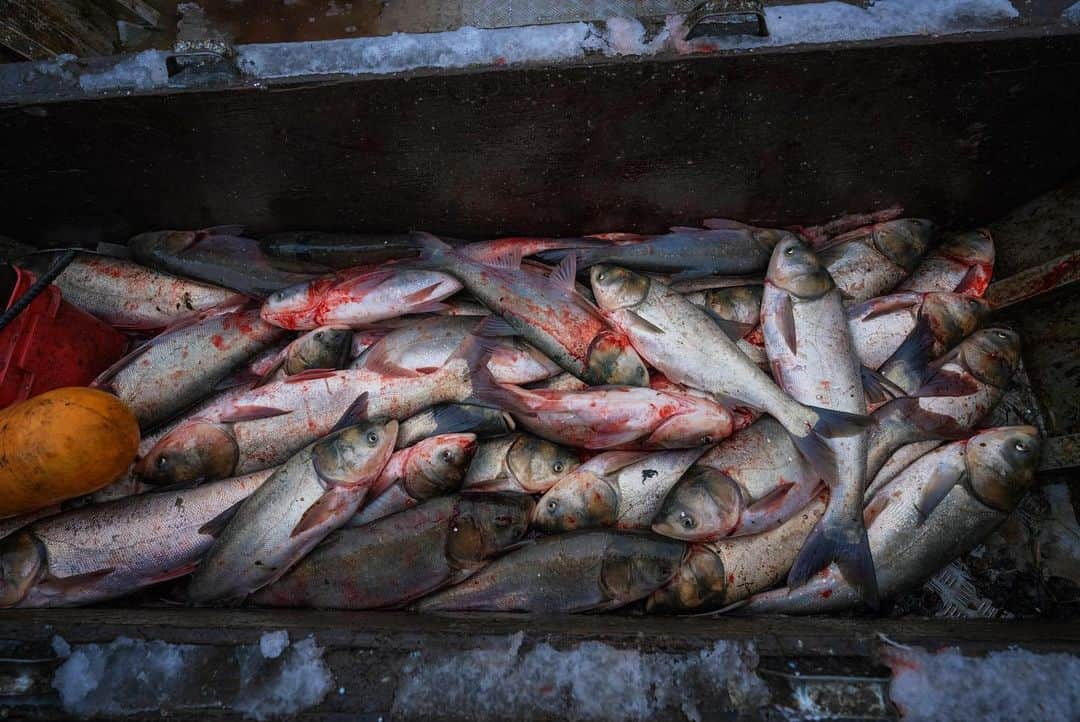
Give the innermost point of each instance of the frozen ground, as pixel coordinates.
(469, 46)
(129, 676)
(1000, 687)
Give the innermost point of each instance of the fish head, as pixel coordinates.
(485, 523)
(168, 242)
(612, 360)
(971, 247)
(583, 500)
(635, 565)
(795, 268)
(903, 241)
(292, 306)
(704, 505)
(617, 288)
(702, 423)
(327, 347)
(537, 464)
(770, 238)
(992, 355)
(193, 452)
(355, 454)
(954, 316)
(438, 465)
(699, 582)
(1001, 465)
(736, 303)
(22, 564)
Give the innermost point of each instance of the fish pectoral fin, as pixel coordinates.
(877, 387)
(889, 304)
(493, 327)
(327, 506)
(732, 329)
(616, 461)
(215, 526)
(310, 375)
(243, 375)
(174, 573)
(74, 583)
(785, 323)
(941, 482)
(643, 324)
(874, 509)
(251, 413)
(356, 413)
(565, 274)
(510, 261)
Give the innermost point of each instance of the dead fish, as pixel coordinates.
(938, 509)
(402, 557)
(11, 524)
(966, 384)
(727, 571)
(339, 250)
(810, 350)
(611, 417)
(426, 344)
(901, 459)
(899, 335)
(313, 493)
(220, 256)
(749, 483)
(963, 263)
(264, 426)
(562, 382)
(129, 296)
(737, 310)
(433, 467)
(359, 297)
(488, 251)
(872, 260)
(542, 310)
(725, 248)
(519, 463)
(818, 235)
(481, 421)
(107, 550)
(327, 347)
(591, 570)
(686, 345)
(185, 364)
(621, 489)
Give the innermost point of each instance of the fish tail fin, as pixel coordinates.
(486, 391)
(911, 359)
(433, 251)
(832, 423)
(845, 543)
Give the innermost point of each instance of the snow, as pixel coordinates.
(131, 676)
(142, 71)
(1001, 686)
(590, 681)
(60, 646)
(272, 644)
(1071, 14)
(788, 25)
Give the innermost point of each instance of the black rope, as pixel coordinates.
(40, 285)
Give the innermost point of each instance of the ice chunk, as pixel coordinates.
(272, 644)
(142, 71)
(1009, 685)
(591, 681)
(1071, 14)
(60, 646)
(130, 676)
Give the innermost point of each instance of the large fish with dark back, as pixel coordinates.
(811, 354)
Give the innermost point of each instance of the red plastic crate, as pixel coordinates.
(52, 344)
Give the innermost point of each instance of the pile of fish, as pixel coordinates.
(727, 418)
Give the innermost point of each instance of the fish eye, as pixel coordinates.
(601, 276)
(1020, 446)
(557, 467)
(552, 505)
(1001, 334)
(503, 521)
(161, 462)
(706, 439)
(687, 521)
(372, 437)
(446, 455)
(789, 251)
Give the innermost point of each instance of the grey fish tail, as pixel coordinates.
(844, 543)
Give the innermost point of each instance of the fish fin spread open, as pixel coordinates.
(941, 482)
(565, 274)
(251, 412)
(642, 323)
(509, 261)
(458, 418)
(367, 282)
(377, 360)
(846, 545)
(327, 506)
(885, 305)
(785, 324)
(494, 326)
(931, 423)
(878, 389)
(830, 424)
(732, 329)
(353, 415)
(488, 392)
(215, 526)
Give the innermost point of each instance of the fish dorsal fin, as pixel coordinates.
(941, 482)
(889, 304)
(353, 415)
(732, 329)
(565, 273)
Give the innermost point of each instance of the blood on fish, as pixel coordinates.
(826, 594)
(217, 340)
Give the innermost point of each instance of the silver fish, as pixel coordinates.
(181, 367)
(108, 550)
(963, 263)
(312, 494)
(872, 260)
(810, 350)
(591, 570)
(727, 571)
(402, 557)
(621, 489)
(519, 463)
(937, 509)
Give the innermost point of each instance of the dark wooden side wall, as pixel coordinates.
(958, 129)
